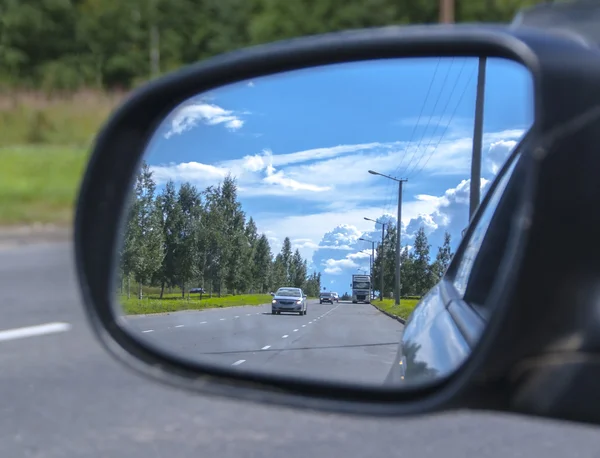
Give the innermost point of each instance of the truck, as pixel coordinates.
(361, 288)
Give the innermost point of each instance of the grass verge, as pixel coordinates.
(39, 184)
(403, 310)
(174, 303)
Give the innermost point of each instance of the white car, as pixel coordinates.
(336, 297)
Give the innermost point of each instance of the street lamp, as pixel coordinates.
(382, 248)
(400, 181)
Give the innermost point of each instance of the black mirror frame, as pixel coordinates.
(556, 65)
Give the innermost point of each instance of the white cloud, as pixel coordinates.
(190, 115)
(251, 84)
(336, 266)
(194, 172)
(498, 153)
(279, 178)
(337, 176)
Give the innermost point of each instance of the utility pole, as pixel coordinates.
(399, 231)
(382, 261)
(447, 11)
(477, 140)
(447, 8)
(382, 257)
(400, 181)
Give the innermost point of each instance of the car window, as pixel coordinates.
(288, 292)
(463, 272)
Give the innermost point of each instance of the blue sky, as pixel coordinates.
(300, 145)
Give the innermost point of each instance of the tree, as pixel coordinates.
(186, 253)
(171, 222)
(297, 270)
(286, 259)
(423, 276)
(279, 275)
(180, 236)
(442, 259)
(148, 249)
(261, 264)
(408, 273)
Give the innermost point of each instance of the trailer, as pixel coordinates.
(361, 289)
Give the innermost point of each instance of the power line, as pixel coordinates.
(449, 122)
(390, 192)
(430, 117)
(442, 117)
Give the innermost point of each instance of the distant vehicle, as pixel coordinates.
(288, 299)
(361, 288)
(336, 296)
(326, 297)
(197, 291)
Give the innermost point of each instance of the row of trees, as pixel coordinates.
(68, 44)
(418, 272)
(183, 238)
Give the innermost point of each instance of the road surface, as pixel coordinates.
(62, 396)
(343, 342)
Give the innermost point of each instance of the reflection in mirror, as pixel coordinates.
(262, 230)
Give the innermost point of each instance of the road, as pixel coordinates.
(343, 341)
(63, 396)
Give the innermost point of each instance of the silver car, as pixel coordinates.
(288, 299)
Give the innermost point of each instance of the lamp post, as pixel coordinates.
(400, 181)
(382, 248)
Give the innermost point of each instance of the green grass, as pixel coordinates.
(44, 145)
(403, 310)
(39, 184)
(174, 302)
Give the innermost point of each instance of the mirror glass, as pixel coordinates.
(262, 230)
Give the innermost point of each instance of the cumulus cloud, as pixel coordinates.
(188, 116)
(498, 153)
(337, 266)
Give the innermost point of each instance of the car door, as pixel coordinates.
(447, 322)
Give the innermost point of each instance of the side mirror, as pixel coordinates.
(485, 345)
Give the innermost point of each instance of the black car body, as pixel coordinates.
(326, 297)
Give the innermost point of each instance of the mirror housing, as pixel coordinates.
(565, 74)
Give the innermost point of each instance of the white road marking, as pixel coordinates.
(31, 331)
(248, 314)
(266, 347)
(303, 325)
(222, 319)
(295, 330)
(237, 316)
(204, 322)
(149, 330)
(285, 336)
(179, 326)
(237, 363)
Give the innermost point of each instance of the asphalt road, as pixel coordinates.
(343, 341)
(62, 396)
